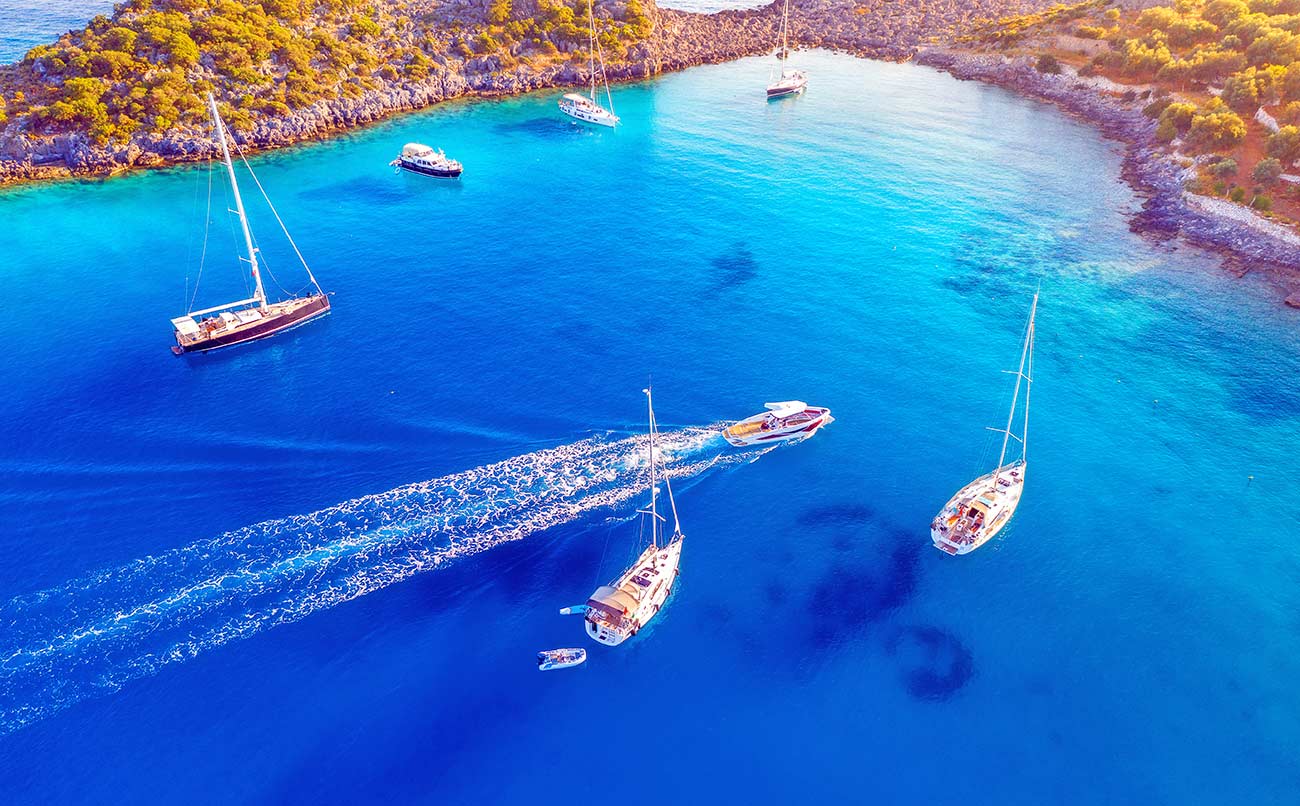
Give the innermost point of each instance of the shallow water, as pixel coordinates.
(176, 626)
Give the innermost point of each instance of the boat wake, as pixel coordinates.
(94, 634)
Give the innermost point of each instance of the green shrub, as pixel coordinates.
(1047, 63)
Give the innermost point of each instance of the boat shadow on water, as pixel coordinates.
(547, 128)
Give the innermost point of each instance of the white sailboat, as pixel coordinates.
(583, 107)
(617, 611)
(253, 318)
(980, 509)
(789, 82)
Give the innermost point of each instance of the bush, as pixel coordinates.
(1284, 145)
(1266, 171)
(1237, 194)
(1215, 131)
(1262, 203)
(1225, 167)
(1047, 63)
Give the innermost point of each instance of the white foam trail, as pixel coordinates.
(96, 633)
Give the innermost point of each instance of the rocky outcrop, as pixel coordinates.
(887, 29)
(1248, 242)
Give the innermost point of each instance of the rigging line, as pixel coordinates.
(207, 227)
(275, 213)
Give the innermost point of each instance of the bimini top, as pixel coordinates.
(786, 408)
(185, 326)
(416, 150)
(613, 601)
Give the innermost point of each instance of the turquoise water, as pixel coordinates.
(25, 24)
(176, 628)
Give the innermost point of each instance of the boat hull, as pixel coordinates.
(946, 530)
(774, 93)
(439, 173)
(318, 306)
(665, 561)
(560, 659)
(601, 117)
(739, 438)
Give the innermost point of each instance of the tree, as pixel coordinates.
(1179, 114)
(1216, 131)
(1222, 12)
(1241, 92)
(1266, 171)
(1284, 145)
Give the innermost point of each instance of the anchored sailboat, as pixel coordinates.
(582, 107)
(790, 82)
(980, 509)
(253, 318)
(615, 612)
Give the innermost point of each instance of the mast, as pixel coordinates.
(591, 48)
(1020, 376)
(785, 36)
(672, 501)
(654, 513)
(260, 294)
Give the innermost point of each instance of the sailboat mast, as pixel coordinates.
(591, 45)
(785, 35)
(1029, 386)
(1020, 376)
(654, 512)
(260, 294)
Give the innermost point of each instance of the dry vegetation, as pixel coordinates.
(1207, 68)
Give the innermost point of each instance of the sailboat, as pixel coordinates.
(617, 611)
(584, 107)
(980, 509)
(253, 318)
(790, 82)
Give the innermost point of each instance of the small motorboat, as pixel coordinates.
(550, 659)
(787, 421)
(421, 159)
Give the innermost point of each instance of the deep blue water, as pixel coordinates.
(175, 627)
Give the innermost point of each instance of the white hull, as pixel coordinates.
(553, 659)
(767, 429)
(978, 511)
(640, 593)
(598, 116)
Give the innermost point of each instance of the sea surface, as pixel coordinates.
(25, 24)
(317, 569)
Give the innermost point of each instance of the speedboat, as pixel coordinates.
(550, 659)
(791, 82)
(580, 107)
(421, 159)
(789, 420)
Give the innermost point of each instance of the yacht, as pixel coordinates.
(584, 107)
(617, 611)
(980, 509)
(787, 421)
(253, 318)
(789, 82)
(421, 159)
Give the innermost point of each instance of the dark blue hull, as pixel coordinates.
(438, 172)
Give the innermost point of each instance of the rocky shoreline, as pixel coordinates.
(1247, 242)
(883, 29)
(880, 29)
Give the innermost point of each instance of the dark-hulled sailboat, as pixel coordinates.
(253, 318)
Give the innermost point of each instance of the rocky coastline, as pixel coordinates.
(923, 30)
(1247, 242)
(882, 29)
